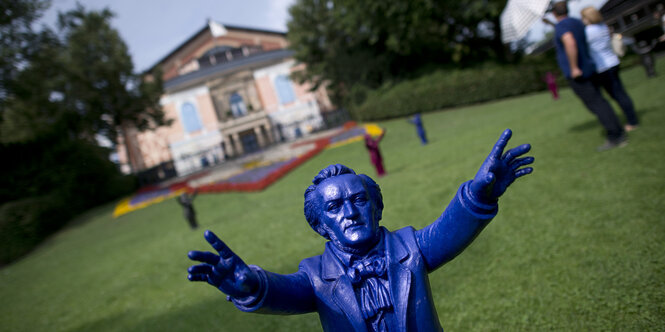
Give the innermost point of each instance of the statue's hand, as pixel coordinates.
(499, 170)
(225, 271)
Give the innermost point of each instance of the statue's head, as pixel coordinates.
(344, 207)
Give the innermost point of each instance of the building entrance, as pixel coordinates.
(249, 141)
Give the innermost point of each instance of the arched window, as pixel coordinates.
(284, 89)
(237, 105)
(190, 118)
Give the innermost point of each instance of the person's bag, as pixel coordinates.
(617, 45)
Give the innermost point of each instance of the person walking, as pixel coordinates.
(607, 63)
(577, 66)
(550, 79)
(186, 200)
(372, 146)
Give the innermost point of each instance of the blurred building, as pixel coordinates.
(228, 91)
(643, 21)
(640, 19)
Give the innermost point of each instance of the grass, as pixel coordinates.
(578, 245)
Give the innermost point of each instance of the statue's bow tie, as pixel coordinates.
(374, 266)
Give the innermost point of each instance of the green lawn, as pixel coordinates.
(578, 245)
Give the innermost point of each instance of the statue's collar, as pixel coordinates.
(334, 260)
(347, 257)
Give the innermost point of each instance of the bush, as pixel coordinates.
(26, 222)
(450, 88)
(46, 184)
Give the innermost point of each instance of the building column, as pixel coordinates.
(268, 133)
(228, 146)
(238, 144)
(259, 136)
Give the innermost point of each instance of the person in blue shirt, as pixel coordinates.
(607, 63)
(575, 61)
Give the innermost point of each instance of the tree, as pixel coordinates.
(58, 91)
(346, 43)
(87, 86)
(17, 39)
(102, 89)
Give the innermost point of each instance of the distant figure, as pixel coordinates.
(416, 120)
(186, 201)
(550, 79)
(372, 146)
(577, 66)
(644, 49)
(607, 63)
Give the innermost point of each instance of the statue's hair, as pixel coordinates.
(560, 8)
(312, 206)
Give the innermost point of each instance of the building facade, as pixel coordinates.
(228, 93)
(641, 19)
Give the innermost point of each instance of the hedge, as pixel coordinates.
(26, 222)
(47, 183)
(451, 88)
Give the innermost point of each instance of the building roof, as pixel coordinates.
(256, 59)
(203, 30)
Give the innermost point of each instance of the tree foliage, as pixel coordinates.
(79, 82)
(347, 42)
(102, 89)
(59, 90)
(17, 39)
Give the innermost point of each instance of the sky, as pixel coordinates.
(153, 28)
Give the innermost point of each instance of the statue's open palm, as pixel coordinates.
(499, 170)
(226, 271)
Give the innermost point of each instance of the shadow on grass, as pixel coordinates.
(103, 324)
(593, 123)
(585, 126)
(210, 315)
(643, 111)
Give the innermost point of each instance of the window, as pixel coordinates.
(237, 105)
(190, 117)
(284, 89)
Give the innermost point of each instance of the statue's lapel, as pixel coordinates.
(333, 272)
(399, 276)
(345, 298)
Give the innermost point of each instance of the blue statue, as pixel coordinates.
(418, 122)
(368, 278)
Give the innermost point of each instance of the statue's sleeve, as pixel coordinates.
(455, 229)
(280, 294)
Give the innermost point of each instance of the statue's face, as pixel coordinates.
(347, 212)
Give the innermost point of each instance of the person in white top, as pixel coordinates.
(607, 63)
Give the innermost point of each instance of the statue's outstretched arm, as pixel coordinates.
(250, 287)
(474, 205)
(224, 270)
